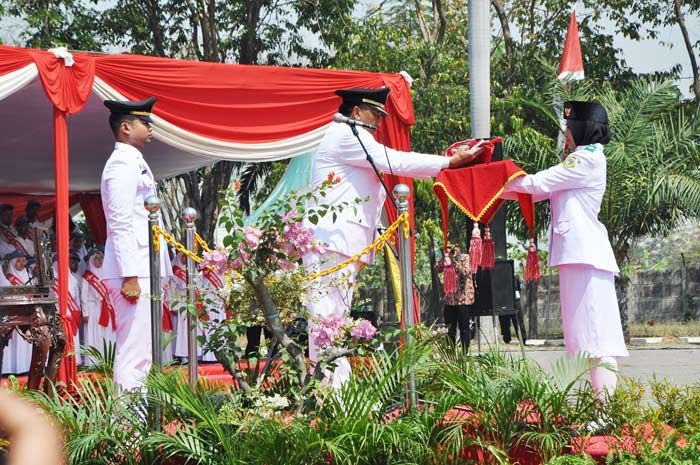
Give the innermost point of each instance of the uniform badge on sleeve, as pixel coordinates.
(570, 162)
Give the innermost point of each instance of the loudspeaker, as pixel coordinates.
(494, 290)
(503, 287)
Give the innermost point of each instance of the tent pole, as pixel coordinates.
(67, 370)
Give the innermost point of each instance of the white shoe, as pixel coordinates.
(601, 424)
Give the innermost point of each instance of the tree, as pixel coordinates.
(536, 29)
(674, 13)
(48, 23)
(679, 18)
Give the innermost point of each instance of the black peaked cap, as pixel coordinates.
(140, 108)
(374, 98)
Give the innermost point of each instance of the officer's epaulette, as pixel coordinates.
(590, 148)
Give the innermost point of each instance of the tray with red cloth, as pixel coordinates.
(475, 190)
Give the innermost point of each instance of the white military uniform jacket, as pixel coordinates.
(341, 154)
(575, 189)
(126, 182)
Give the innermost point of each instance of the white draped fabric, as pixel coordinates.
(16, 80)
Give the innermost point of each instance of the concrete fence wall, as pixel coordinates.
(660, 296)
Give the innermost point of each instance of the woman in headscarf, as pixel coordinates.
(18, 353)
(99, 320)
(579, 246)
(169, 323)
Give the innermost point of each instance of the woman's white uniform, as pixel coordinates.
(95, 335)
(18, 353)
(74, 291)
(215, 309)
(579, 247)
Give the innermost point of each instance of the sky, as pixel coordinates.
(651, 55)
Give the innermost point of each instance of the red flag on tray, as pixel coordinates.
(571, 64)
(476, 190)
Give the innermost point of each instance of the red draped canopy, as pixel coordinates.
(205, 112)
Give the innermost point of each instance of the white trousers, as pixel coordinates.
(332, 296)
(132, 360)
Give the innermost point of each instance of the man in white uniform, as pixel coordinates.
(126, 182)
(579, 246)
(32, 213)
(341, 155)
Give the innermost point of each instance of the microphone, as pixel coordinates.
(339, 118)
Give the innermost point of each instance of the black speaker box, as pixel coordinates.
(494, 290)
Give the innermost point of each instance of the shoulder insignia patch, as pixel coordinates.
(570, 162)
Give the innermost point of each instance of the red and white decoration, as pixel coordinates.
(205, 111)
(571, 64)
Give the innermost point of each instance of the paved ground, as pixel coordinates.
(678, 364)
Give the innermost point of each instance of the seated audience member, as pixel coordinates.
(212, 281)
(18, 353)
(178, 296)
(77, 243)
(71, 225)
(24, 241)
(7, 232)
(169, 324)
(99, 320)
(31, 211)
(73, 301)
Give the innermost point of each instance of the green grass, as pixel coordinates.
(691, 328)
(668, 330)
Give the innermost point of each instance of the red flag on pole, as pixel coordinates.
(571, 65)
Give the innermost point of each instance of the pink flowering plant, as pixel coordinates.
(268, 253)
(341, 331)
(267, 284)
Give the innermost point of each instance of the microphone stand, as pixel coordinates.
(388, 193)
(374, 167)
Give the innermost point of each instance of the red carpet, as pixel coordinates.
(212, 371)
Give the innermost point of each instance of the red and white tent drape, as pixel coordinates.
(218, 111)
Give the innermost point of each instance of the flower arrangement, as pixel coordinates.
(265, 283)
(270, 252)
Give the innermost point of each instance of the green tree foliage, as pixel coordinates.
(48, 23)
(673, 13)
